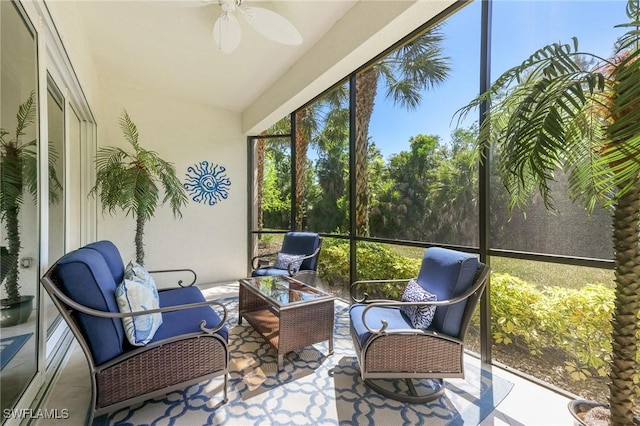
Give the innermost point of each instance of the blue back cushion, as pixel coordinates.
(111, 255)
(447, 273)
(302, 243)
(86, 278)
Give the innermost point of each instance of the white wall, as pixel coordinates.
(212, 240)
(71, 30)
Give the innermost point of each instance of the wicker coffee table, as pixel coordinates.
(288, 314)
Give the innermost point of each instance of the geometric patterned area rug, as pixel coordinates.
(9, 347)
(313, 388)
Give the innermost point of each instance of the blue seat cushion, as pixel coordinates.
(86, 278)
(396, 319)
(268, 272)
(447, 273)
(186, 321)
(111, 255)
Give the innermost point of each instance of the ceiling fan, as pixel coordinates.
(227, 31)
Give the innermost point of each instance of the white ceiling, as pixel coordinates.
(168, 46)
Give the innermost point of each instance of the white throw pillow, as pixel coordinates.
(138, 292)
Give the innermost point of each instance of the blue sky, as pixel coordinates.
(519, 28)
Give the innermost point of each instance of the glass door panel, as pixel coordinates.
(72, 193)
(55, 117)
(18, 204)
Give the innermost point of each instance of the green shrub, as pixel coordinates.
(514, 309)
(575, 321)
(375, 262)
(579, 323)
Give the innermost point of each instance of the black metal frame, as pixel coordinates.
(484, 250)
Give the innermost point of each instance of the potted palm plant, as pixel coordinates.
(19, 178)
(553, 112)
(130, 181)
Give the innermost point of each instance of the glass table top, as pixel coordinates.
(284, 290)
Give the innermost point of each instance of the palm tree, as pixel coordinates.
(415, 66)
(129, 181)
(551, 113)
(306, 125)
(19, 177)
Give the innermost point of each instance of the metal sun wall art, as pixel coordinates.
(206, 183)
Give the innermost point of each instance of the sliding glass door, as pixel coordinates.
(18, 203)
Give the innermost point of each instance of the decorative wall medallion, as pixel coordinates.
(207, 184)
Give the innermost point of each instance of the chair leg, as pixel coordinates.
(226, 377)
(412, 396)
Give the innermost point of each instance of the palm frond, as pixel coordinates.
(55, 187)
(540, 111)
(29, 160)
(547, 61)
(26, 115)
(106, 157)
(416, 66)
(147, 194)
(11, 182)
(112, 187)
(129, 130)
(622, 154)
(173, 189)
(404, 93)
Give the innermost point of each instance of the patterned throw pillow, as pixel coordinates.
(284, 259)
(420, 316)
(138, 292)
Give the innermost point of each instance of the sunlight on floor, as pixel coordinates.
(527, 403)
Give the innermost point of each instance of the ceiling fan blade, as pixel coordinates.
(226, 32)
(272, 25)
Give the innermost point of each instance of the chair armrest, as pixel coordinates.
(477, 286)
(193, 281)
(258, 257)
(365, 296)
(104, 314)
(300, 259)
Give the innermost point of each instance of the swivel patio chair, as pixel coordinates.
(189, 346)
(300, 252)
(394, 340)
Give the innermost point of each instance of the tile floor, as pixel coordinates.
(527, 404)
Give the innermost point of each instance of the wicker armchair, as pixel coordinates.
(388, 346)
(190, 346)
(303, 249)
